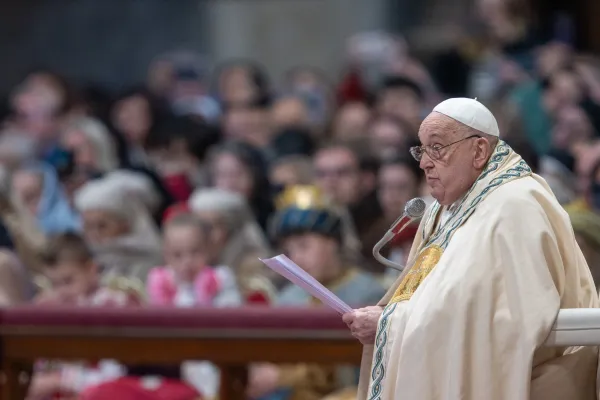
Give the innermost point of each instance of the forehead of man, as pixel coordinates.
(440, 128)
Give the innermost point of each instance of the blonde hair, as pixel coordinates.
(100, 139)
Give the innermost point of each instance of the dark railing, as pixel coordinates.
(231, 338)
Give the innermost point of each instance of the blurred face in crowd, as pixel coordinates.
(132, 117)
(236, 85)
(351, 121)
(572, 126)
(217, 234)
(38, 102)
(450, 171)
(247, 123)
(338, 174)
(229, 173)
(289, 111)
(27, 187)
(72, 280)
(388, 138)
(397, 185)
(317, 254)
(101, 226)
(294, 171)
(160, 77)
(82, 149)
(504, 17)
(402, 103)
(565, 90)
(40, 95)
(552, 57)
(185, 250)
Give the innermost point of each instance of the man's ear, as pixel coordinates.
(483, 151)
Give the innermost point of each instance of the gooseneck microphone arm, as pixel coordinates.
(413, 210)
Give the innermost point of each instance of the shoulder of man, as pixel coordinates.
(526, 199)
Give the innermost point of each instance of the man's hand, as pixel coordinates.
(363, 323)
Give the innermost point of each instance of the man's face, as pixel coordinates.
(338, 175)
(453, 173)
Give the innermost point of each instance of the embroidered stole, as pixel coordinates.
(504, 166)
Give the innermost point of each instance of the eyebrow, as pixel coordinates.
(433, 137)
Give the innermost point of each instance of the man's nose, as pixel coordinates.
(426, 162)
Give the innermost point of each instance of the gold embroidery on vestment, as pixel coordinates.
(423, 265)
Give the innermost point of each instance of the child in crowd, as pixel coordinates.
(72, 278)
(187, 280)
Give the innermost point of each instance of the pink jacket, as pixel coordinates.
(162, 288)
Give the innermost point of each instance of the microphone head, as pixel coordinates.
(415, 208)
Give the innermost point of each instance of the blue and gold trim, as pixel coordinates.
(378, 368)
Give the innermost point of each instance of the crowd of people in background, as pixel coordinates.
(170, 192)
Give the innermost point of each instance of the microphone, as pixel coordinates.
(413, 210)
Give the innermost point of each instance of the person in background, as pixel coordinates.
(24, 234)
(586, 225)
(241, 168)
(399, 180)
(346, 173)
(289, 111)
(119, 229)
(587, 165)
(93, 147)
(291, 170)
(235, 241)
(350, 121)
(292, 140)
(188, 281)
(402, 98)
(133, 115)
(314, 234)
(73, 278)
(390, 136)
(240, 81)
(312, 86)
(39, 105)
(188, 93)
(177, 149)
(37, 187)
(249, 121)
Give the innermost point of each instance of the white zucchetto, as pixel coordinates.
(470, 112)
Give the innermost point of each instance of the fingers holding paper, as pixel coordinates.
(363, 323)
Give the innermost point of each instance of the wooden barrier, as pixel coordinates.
(231, 338)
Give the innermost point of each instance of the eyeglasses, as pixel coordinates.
(433, 151)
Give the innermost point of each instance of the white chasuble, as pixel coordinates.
(468, 318)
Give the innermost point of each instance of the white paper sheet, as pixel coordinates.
(292, 272)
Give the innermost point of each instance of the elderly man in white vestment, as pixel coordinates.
(494, 260)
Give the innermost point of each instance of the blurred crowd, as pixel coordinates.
(168, 193)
